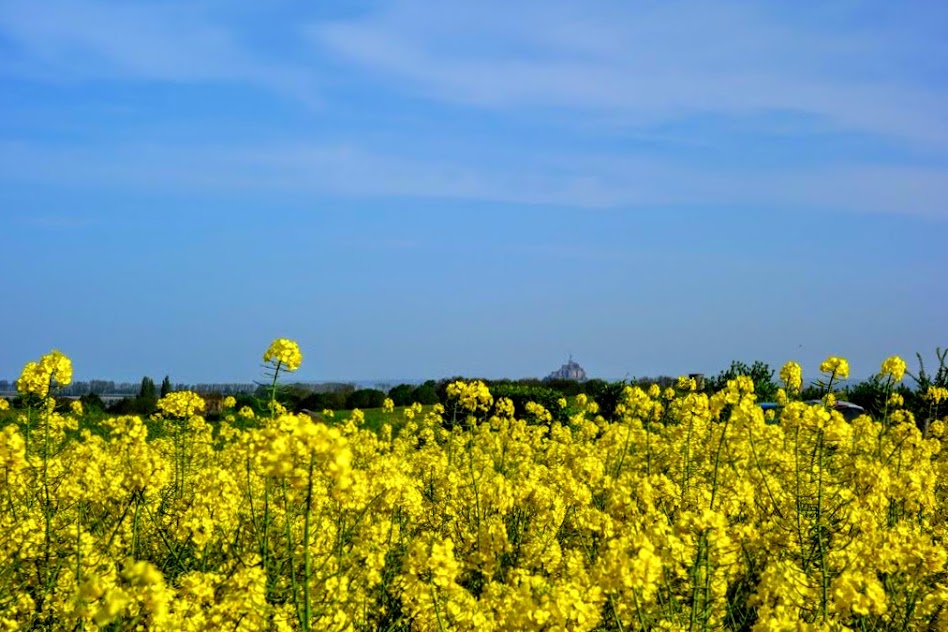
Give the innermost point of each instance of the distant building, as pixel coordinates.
(699, 380)
(569, 371)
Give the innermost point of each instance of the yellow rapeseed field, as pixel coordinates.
(686, 511)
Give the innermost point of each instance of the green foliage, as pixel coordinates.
(923, 379)
(318, 402)
(92, 403)
(759, 372)
(402, 394)
(145, 404)
(426, 394)
(147, 389)
(520, 394)
(569, 388)
(870, 394)
(142, 406)
(166, 386)
(365, 398)
(251, 402)
(606, 394)
(408, 394)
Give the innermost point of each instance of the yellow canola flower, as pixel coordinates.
(473, 396)
(504, 407)
(782, 398)
(75, 407)
(895, 367)
(388, 405)
(33, 380)
(284, 353)
(54, 368)
(229, 402)
(12, 449)
(442, 563)
(4, 404)
(538, 412)
(276, 408)
(936, 394)
(181, 404)
(792, 376)
(59, 367)
(245, 412)
(835, 367)
(685, 383)
(861, 594)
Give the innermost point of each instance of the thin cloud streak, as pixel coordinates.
(592, 182)
(173, 42)
(662, 63)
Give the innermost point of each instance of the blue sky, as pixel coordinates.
(418, 189)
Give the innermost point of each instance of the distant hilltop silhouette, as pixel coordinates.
(569, 371)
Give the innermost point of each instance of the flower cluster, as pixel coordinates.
(894, 367)
(792, 376)
(838, 368)
(472, 396)
(54, 368)
(181, 404)
(284, 353)
(936, 394)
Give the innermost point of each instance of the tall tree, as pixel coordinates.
(147, 390)
(165, 386)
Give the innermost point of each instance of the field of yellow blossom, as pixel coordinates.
(685, 511)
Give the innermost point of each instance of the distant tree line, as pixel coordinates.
(142, 398)
(110, 387)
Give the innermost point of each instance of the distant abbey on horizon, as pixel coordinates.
(569, 371)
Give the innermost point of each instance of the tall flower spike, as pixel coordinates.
(895, 367)
(286, 352)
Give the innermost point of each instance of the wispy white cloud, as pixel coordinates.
(635, 63)
(586, 182)
(641, 62)
(74, 40)
(604, 63)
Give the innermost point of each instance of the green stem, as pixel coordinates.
(796, 477)
(306, 554)
(78, 544)
(273, 389)
(615, 615)
(824, 578)
(717, 462)
(695, 569)
(888, 389)
(638, 609)
(434, 600)
(47, 511)
(292, 557)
